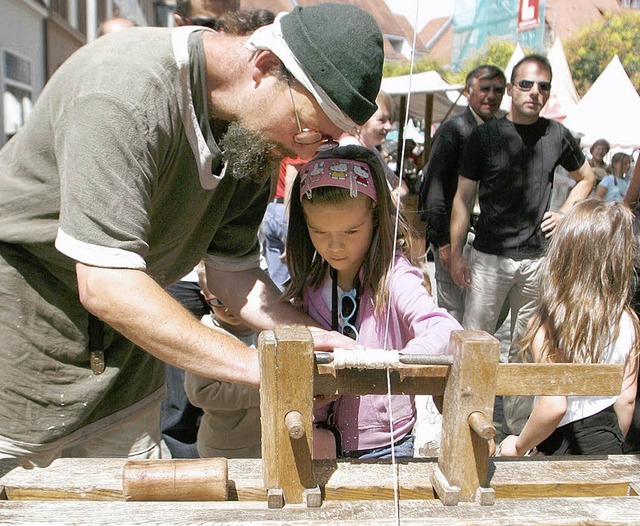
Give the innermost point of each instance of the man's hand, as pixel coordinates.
(444, 252)
(550, 222)
(508, 447)
(324, 340)
(460, 271)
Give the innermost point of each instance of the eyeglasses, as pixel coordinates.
(308, 136)
(213, 302)
(348, 312)
(526, 85)
(205, 21)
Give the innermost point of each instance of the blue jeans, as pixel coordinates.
(179, 419)
(403, 449)
(274, 232)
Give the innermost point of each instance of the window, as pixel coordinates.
(73, 11)
(17, 96)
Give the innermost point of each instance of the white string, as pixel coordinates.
(396, 498)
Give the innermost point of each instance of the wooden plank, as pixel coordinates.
(512, 379)
(550, 511)
(101, 479)
(559, 379)
(287, 368)
(407, 379)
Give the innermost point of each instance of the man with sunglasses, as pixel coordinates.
(511, 162)
(149, 150)
(484, 88)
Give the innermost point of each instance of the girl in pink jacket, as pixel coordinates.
(351, 272)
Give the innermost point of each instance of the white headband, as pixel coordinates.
(270, 37)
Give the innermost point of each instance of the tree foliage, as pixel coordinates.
(590, 49)
(496, 52)
(393, 69)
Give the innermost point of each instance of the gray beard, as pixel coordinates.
(248, 154)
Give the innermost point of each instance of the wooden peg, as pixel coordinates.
(482, 425)
(204, 479)
(295, 424)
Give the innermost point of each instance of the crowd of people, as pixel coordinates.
(161, 208)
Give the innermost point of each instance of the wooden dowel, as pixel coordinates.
(481, 425)
(176, 480)
(295, 424)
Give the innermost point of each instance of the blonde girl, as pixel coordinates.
(352, 273)
(584, 316)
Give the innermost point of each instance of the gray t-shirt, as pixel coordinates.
(112, 170)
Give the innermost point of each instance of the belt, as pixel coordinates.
(278, 200)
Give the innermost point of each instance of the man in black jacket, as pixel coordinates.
(484, 87)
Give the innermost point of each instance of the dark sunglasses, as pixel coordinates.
(205, 21)
(348, 311)
(526, 85)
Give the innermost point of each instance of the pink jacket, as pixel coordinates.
(416, 325)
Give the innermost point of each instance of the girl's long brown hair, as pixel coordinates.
(587, 279)
(307, 268)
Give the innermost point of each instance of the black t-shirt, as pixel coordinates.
(514, 165)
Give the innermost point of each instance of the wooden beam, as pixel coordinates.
(406, 379)
(286, 360)
(101, 479)
(586, 490)
(462, 465)
(559, 379)
(601, 511)
(512, 379)
(428, 122)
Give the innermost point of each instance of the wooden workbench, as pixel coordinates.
(577, 490)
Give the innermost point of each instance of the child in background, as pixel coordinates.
(615, 185)
(230, 424)
(584, 316)
(351, 273)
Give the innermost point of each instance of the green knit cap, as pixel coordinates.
(340, 47)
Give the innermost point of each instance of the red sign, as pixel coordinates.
(528, 12)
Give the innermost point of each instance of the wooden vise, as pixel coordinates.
(468, 379)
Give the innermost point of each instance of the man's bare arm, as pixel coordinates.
(131, 302)
(585, 180)
(253, 297)
(460, 218)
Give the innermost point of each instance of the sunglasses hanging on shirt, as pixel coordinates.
(344, 309)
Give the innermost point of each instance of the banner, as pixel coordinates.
(528, 13)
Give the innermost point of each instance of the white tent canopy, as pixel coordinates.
(517, 54)
(609, 110)
(563, 91)
(422, 85)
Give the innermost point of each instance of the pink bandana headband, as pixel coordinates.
(355, 176)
